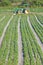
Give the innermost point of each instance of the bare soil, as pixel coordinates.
(20, 53)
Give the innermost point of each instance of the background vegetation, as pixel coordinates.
(18, 2)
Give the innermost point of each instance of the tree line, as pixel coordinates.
(30, 2)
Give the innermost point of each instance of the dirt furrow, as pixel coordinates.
(20, 53)
(38, 20)
(4, 31)
(36, 36)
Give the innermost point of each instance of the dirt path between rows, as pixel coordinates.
(20, 53)
(36, 36)
(38, 20)
(4, 31)
(2, 18)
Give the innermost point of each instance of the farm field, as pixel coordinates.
(9, 49)
(18, 43)
(37, 27)
(3, 21)
(36, 9)
(6, 8)
(40, 18)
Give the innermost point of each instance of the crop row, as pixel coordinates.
(9, 49)
(32, 51)
(38, 29)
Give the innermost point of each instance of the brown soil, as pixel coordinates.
(20, 53)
